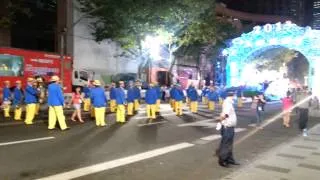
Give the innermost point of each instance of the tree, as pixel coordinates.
(10, 10)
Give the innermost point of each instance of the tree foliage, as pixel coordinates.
(11, 9)
(129, 21)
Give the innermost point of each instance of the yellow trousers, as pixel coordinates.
(92, 113)
(151, 111)
(136, 105)
(204, 100)
(240, 103)
(100, 116)
(56, 113)
(30, 113)
(158, 105)
(121, 113)
(130, 109)
(37, 109)
(17, 113)
(212, 105)
(173, 104)
(194, 106)
(220, 101)
(113, 105)
(188, 101)
(178, 106)
(6, 111)
(86, 104)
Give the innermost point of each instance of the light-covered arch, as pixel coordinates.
(288, 35)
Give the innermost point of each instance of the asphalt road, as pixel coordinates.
(177, 148)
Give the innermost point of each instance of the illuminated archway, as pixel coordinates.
(288, 35)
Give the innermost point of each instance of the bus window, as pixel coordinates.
(84, 75)
(11, 65)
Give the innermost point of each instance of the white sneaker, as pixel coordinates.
(304, 133)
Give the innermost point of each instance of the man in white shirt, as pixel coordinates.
(228, 121)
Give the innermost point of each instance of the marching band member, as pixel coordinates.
(17, 101)
(56, 104)
(31, 99)
(99, 102)
(6, 97)
(151, 100)
(193, 98)
(130, 98)
(121, 102)
(113, 102)
(137, 96)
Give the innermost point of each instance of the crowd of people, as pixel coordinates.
(94, 98)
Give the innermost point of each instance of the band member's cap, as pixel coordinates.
(6, 82)
(121, 82)
(96, 83)
(54, 79)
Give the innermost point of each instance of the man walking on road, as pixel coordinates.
(303, 110)
(228, 121)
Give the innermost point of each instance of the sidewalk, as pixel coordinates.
(298, 159)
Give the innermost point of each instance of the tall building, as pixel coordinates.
(316, 14)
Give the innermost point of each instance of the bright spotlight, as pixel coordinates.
(153, 45)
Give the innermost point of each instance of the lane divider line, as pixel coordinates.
(118, 162)
(26, 141)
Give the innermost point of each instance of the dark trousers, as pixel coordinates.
(303, 118)
(226, 145)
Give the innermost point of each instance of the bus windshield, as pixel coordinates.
(11, 65)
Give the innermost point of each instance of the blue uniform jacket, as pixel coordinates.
(158, 90)
(137, 94)
(6, 94)
(178, 95)
(205, 92)
(213, 96)
(151, 96)
(17, 96)
(113, 93)
(31, 95)
(55, 95)
(192, 94)
(223, 94)
(131, 95)
(172, 90)
(120, 96)
(86, 91)
(98, 97)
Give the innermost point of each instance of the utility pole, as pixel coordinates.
(62, 47)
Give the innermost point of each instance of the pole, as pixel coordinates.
(61, 57)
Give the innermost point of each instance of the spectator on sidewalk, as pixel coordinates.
(229, 122)
(304, 103)
(261, 101)
(287, 104)
(76, 102)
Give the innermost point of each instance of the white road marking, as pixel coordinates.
(26, 141)
(150, 124)
(163, 115)
(117, 163)
(217, 136)
(204, 123)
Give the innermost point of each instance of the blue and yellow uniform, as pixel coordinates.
(99, 102)
(239, 97)
(204, 95)
(213, 98)
(87, 100)
(193, 98)
(178, 97)
(121, 102)
(17, 102)
(31, 100)
(92, 112)
(137, 97)
(172, 100)
(113, 102)
(6, 99)
(130, 99)
(56, 103)
(151, 100)
(158, 103)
